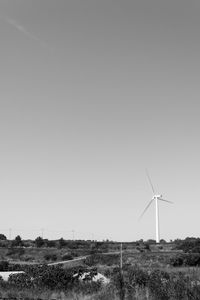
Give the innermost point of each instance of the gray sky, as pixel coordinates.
(92, 93)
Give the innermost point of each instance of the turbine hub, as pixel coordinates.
(157, 196)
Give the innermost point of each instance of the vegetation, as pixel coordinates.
(191, 245)
(133, 283)
(17, 242)
(3, 237)
(168, 271)
(39, 242)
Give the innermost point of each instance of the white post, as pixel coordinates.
(157, 222)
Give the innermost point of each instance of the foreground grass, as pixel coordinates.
(104, 294)
(152, 278)
(134, 284)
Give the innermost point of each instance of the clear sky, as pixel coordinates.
(92, 92)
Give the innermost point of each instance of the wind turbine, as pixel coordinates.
(156, 197)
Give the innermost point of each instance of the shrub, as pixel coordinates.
(20, 280)
(16, 252)
(103, 259)
(179, 287)
(61, 242)
(50, 244)
(188, 244)
(2, 237)
(53, 278)
(17, 242)
(28, 258)
(39, 242)
(158, 284)
(52, 257)
(190, 259)
(4, 265)
(195, 291)
(177, 261)
(195, 249)
(67, 257)
(137, 277)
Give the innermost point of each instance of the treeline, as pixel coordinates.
(190, 244)
(40, 242)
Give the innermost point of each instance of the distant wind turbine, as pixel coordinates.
(156, 197)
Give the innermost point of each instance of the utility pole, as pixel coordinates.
(121, 262)
(122, 290)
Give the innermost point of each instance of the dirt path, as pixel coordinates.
(62, 261)
(68, 261)
(79, 258)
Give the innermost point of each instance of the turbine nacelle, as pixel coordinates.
(156, 197)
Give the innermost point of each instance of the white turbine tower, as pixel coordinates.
(156, 198)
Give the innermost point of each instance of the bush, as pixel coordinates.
(4, 265)
(53, 278)
(20, 280)
(50, 244)
(61, 243)
(39, 242)
(195, 249)
(109, 260)
(177, 261)
(17, 242)
(179, 287)
(67, 257)
(2, 237)
(16, 252)
(52, 257)
(159, 284)
(137, 277)
(188, 244)
(190, 260)
(28, 258)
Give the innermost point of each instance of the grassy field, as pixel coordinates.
(151, 272)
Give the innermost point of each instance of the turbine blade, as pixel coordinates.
(150, 182)
(165, 200)
(146, 209)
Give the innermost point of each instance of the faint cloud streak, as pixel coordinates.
(23, 30)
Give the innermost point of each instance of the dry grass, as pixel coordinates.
(105, 294)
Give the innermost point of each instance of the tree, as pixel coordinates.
(147, 247)
(39, 242)
(17, 241)
(62, 243)
(2, 237)
(162, 241)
